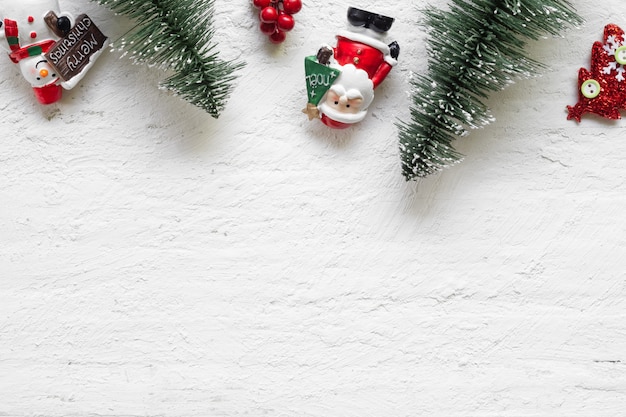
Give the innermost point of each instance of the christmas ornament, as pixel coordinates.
(276, 17)
(177, 36)
(341, 89)
(602, 90)
(475, 47)
(52, 50)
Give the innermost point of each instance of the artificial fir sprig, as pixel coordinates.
(474, 48)
(176, 35)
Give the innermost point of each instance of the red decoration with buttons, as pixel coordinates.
(366, 53)
(602, 89)
(364, 60)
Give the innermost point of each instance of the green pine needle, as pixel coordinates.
(176, 36)
(475, 48)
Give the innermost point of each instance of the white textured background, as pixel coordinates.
(157, 262)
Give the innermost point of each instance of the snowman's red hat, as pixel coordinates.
(48, 94)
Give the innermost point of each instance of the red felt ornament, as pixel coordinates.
(602, 89)
(276, 17)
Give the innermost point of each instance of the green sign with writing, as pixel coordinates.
(319, 78)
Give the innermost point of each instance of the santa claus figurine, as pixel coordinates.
(29, 30)
(363, 61)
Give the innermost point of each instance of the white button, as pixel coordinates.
(620, 55)
(590, 88)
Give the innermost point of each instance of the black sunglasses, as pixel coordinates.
(376, 22)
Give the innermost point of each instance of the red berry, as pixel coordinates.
(278, 36)
(268, 15)
(292, 6)
(260, 4)
(268, 28)
(285, 21)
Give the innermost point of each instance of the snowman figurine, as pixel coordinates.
(29, 29)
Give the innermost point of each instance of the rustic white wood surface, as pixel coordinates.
(157, 262)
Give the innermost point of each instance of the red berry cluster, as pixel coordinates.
(276, 17)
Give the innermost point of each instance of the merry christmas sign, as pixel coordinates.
(75, 51)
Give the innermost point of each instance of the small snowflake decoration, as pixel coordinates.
(615, 48)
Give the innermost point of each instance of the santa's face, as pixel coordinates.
(344, 104)
(349, 97)
(37, 71)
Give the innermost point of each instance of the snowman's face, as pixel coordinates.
(37, 71)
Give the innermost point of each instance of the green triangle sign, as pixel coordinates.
(319, 78)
